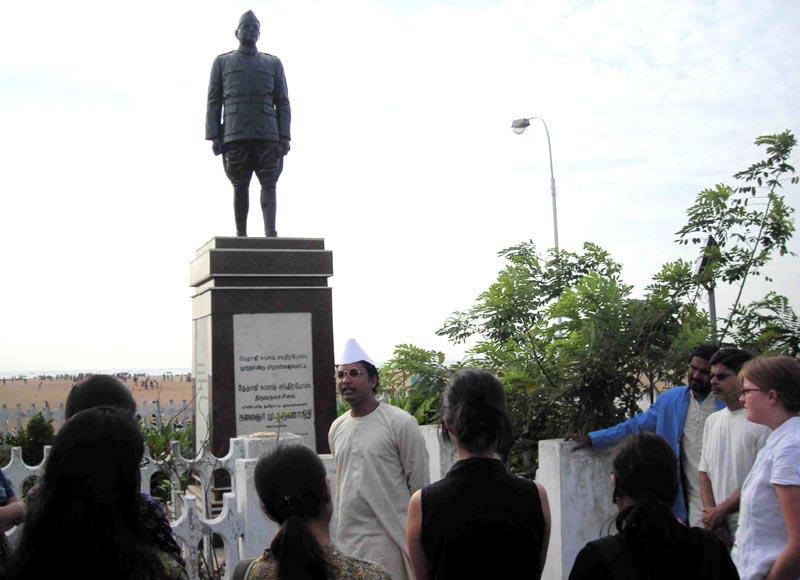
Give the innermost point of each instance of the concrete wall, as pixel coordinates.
(579, 489)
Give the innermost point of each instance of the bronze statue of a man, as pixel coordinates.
(248, 89)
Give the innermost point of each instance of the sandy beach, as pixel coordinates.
(146, 389)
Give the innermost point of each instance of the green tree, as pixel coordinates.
(414, 379)
(768, 326)
(576, 351)
(749, 223)
(573, 347)
(32, 438)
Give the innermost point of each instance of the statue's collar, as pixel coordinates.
(248, 50)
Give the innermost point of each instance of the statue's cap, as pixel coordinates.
(249, 15)
(353, 353)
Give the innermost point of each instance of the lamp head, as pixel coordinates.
(519, 125)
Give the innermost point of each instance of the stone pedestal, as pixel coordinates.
(262, 333)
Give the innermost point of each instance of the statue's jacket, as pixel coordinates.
(247, 98)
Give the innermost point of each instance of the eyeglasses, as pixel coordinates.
(721, 376)
(352, 373)
(743, 392)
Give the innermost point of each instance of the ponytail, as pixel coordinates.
(291, 483)
(297, 552)
(650, 527)
(646, 472)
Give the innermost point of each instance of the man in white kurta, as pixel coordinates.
(381, 460)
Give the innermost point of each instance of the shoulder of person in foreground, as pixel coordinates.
(348, 567)
(172, 569)
(156, 525)
(715, 559)
(265, 567)
(590, 564)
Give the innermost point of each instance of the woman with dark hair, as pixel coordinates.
(652, 543)
(292, 485)
(108, 391)
(768, 542)
(87, 516)
(479, 521)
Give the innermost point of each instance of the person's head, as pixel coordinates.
(645, 486)
(249, 29)
(99, 391)
(725, 365)
(292, 485)
(96, 457)
(474, 412)
(699, 369)
(645, 469)
(89, 501)
(770, 388)
(357, 377)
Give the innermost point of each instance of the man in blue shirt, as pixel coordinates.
(678, 415)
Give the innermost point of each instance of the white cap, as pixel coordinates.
(353, 353)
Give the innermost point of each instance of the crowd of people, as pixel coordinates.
(706, 483)
(733, 433)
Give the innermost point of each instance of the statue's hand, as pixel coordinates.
(285, 146)
(216, 147)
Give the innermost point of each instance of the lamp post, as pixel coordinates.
(519, 126)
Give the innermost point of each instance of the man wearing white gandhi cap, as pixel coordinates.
(380, 461)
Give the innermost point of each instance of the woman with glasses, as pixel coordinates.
(479, 521)
(768, 542)
(652, 543)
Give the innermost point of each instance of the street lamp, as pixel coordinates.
(519, 126)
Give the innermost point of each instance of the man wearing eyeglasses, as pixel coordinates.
(730, 446)
(678, 415)
(381, 460)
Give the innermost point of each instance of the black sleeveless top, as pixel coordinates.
(481, 522)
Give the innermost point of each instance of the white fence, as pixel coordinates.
(12, 420)
(578, 487)
(241, 525)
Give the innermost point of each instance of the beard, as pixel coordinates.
(699, 386)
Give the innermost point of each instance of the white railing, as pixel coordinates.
(578, 486)
(241, 524)
(13, 419)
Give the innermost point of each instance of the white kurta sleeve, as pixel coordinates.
(413, 454)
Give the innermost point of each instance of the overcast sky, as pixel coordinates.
(402, 157)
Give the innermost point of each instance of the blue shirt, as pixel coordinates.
(666, 417)
(6, 491)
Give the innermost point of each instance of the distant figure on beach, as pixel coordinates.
(247, 121)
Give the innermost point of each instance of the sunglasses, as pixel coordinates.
(352, 373)
(721, 376)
